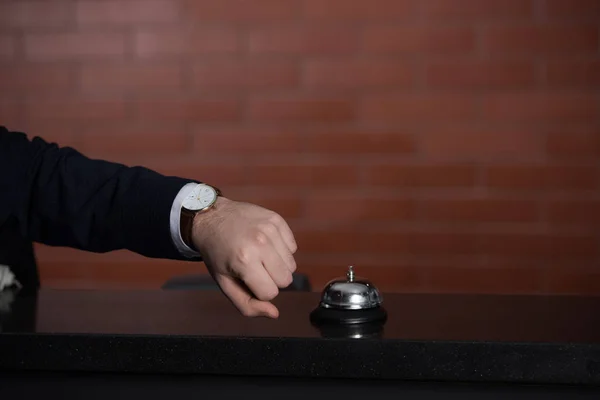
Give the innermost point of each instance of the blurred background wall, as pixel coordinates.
(436, 145)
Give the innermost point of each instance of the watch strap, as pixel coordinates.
(186, 227)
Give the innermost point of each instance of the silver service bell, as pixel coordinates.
(350, 293)
(349, 301)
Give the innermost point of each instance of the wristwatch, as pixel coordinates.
(201, 199)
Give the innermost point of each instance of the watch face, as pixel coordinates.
(201, 197)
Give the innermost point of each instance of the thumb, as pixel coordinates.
(243, 300)
(264, 308)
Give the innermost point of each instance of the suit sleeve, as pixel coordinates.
(60, 197)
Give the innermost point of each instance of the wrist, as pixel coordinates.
(207, 223)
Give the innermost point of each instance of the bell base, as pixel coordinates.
(336, 316)
(351, 331)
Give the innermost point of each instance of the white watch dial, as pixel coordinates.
(201, 197)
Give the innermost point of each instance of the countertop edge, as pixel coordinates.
(387, 359)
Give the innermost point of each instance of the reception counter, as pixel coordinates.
(432, 344)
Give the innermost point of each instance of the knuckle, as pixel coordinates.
(260, 237)
(268, 228)
(244, 255)
(275, 218)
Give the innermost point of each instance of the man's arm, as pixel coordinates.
(62, 198)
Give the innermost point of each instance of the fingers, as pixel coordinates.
(285, 232)
(284, 255)
(279, 269)
(243, 300)
(254, 274)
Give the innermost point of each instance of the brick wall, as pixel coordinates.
(437, 145)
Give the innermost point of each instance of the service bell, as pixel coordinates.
(349, 300)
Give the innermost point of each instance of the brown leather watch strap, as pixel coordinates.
(186, 227)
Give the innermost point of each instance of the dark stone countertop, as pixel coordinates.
(451, 338)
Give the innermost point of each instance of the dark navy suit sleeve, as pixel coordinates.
(60, 197)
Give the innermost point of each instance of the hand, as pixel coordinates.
(248, 250)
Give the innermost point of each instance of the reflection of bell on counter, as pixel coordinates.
(348, 305)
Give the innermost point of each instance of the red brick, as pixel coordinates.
(419, 176)
(442, 243)
(387, 278)
(286, 206)
(247, 142)
(135, 141)
(419, 40)
(301, 109)
(10, 114)
(35, 76)
(52, 254)
(75, 109)
(192, 109)
(419, 243)
(7, 46)
(327, 241)
(542, 177)
(291, 40)
(483, 280)
(247, 191)
(418, 108)
(383, 243)
(64, 134)
(574, 212)
(245, 74)
(574, 144)
(359, 143)
(240, 10)
(358, 207)
(102, 274)
(102, 76)
(481, 144)
(568, 8)
(578, 73)
(219, 174)
(476, 10)
(571, 281)
(478, 210)
(359, 10)
(126, 11)
(73, 45)
(544, 39)
(540, 246)
(539, 106)
(34, 14)
(187, 41)
(358, 73)
(480, 74)
(306, 175)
